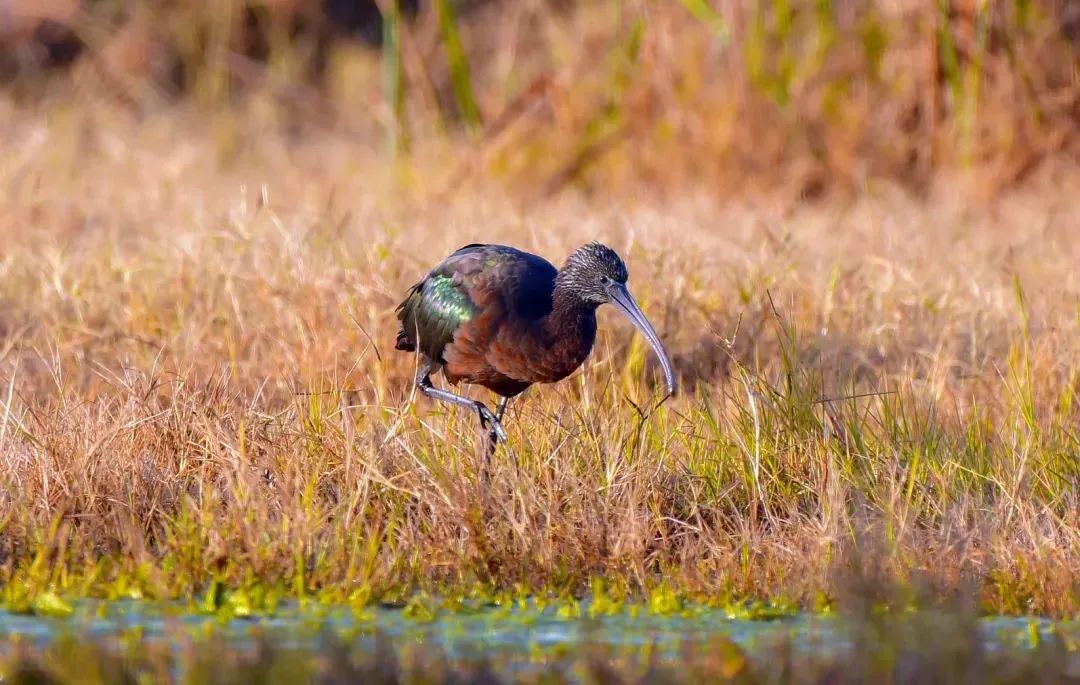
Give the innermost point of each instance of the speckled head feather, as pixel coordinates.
(587, 271)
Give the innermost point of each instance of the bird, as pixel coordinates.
(506, 319)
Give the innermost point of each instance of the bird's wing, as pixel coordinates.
(445, 299)
(467, 300)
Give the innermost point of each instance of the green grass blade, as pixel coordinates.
(394, 80)
(701, 11)
(458, 63)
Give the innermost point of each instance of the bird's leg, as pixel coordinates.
(494, 426)
(487, 419)
(500, 409)
(493, 435)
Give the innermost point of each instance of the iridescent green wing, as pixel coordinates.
(441, 303)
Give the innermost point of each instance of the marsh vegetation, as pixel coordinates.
(854, 230)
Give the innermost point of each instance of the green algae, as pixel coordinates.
(51, 604)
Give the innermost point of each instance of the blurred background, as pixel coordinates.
(806, 98)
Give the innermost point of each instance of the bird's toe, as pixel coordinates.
(490, 421)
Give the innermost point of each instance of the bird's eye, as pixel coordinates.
(605, 280)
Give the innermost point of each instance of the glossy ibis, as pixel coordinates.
(504, 319)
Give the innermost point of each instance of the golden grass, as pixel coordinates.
(199, 383)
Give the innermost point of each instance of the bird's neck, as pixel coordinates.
(572, 320)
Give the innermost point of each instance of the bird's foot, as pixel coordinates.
(491, 422)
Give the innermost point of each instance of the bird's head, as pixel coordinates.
(591, 271)
(596, 274)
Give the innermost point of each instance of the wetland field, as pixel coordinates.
(854, 228)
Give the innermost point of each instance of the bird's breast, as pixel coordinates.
(541, 355)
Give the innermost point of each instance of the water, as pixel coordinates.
(529, 640)
(479, 628)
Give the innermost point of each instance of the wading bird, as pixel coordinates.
(504, 319)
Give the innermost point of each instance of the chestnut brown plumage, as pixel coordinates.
(504, 319)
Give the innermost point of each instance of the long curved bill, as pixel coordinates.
(622, 299)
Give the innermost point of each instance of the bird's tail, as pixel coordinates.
(403, 342)
(406, 339)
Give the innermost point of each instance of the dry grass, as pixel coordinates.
(199, 383)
